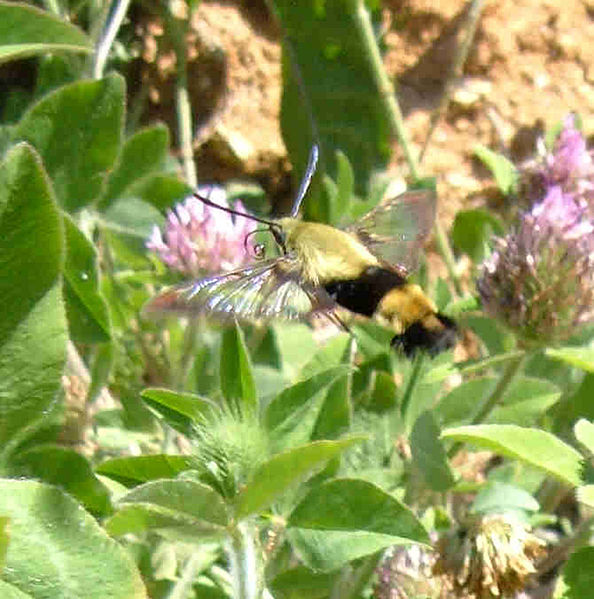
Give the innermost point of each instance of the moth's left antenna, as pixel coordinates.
(312, 163)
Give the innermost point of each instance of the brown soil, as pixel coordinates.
(531, 63)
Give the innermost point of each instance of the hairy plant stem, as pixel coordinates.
(413, 380)
(188, 354)
(445, 251)
(176, 32)
(455, 70)
(398, 129)
(183, 586)
(110, 30)
(53, 6)
(509, 373)
(561, 551)
(245, 560)
(352, 581)
(385, 87)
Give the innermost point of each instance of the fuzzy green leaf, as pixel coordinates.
(578, 574)
(526, 400)
(132, 470)
(500, 497)
(33, 325)
(180, 410)
(143, 153)
(138, 518)
(351, 504)
(346, 519)
(86, 309)
(292, 415)
(286, 470)
(584, 433)
(300, 582)
(237, 379)
(472, 231)
(10, 591)
(77, 131)
(580, 357)
(503, 169)
(429, 455)
(59, 551)
(189, 498)
(531, 446)
(26, 31)
(67, 469)
(159, 190)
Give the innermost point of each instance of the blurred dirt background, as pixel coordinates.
(532, 62)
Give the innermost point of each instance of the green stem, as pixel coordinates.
(561, 552)
(413, 380)
(455, 70)
(183, 586)
(106, 40)
(352, 581)
(397, 127)
(245, 559)
(447, 254)
(188, 354)
(385, 87)
(511, 370)
(176, 31)
(550, 494)
(53, 6)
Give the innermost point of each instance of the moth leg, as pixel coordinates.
(335, 319)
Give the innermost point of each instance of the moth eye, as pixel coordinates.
(259, 250)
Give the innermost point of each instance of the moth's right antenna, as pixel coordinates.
(312, 163)
(314, 153)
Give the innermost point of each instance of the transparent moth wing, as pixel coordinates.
(263, 291)
(396, 229)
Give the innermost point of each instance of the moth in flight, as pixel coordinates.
(363, 268)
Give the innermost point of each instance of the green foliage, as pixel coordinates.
(338, 90)
(86, 309)
(237, 379)
(285, 470)
(26, 31)
(504, 171)
(77, 164)
(345, 519)
(43, 522)
(473, 231)
(198, 437)
(580, 357)
(534, 447)
(428, 454)
(33, 328)
(578, 575)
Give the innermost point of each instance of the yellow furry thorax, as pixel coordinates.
(325, 253)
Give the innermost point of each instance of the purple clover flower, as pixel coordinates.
(570, 165)
(540, 279)
(199, 239)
